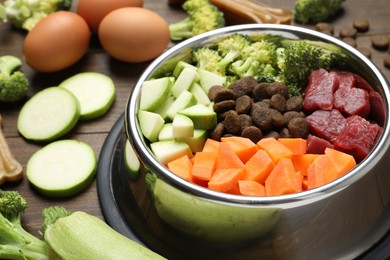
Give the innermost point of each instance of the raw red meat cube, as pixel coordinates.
(326, 124)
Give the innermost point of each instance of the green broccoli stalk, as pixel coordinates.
(25, 14)
(314, 11)
(208, 59)
(15, 241)
(202, 17)
(13, 84)
(231, 48)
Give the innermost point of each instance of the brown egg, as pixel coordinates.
(133, 34)
(93, 11)
(56, 42)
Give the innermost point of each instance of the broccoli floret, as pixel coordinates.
(208, 59)
(15, 241)
(257, 60)
(202, 17)
(231, 48)
(13, 84)
(314, 11)
(25, 14)
(298, 58)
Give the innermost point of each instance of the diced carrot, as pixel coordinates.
(251, 188)
(182, 167)
(298, 146)
(211, 145)
(342, 161)
(304, 183)
(227, 158)
(243, 147)
(225, 180)
(302, 162)
(204, 165)
(321, 172)
(258, 167)
(275, 149)
(283, 179)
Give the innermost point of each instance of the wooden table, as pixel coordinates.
(125, 76)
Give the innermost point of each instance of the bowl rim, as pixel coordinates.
(136, 139)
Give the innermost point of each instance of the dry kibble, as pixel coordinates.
(380, 42)
(365, 51)
(253, 133)
(350, 41)
(224, 106)
(325, 28)
(348, 32)
(232, 122)
(386, 61)
(217, 132)
(362, 25)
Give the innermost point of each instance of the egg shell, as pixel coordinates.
(93, 11)
(56, 42)
(134, 34)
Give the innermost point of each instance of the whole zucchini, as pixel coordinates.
(83, 236)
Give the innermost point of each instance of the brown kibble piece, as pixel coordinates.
(278, 88)
(325, 28)
(213, 91)
(284, 133)
(253, 133)
(348, 32)
(365, 51)
(217, 132)
(362, 25)
(222, 95)
(232, 122)
(292, 114)
(294, 103)
(278, 120)
(386, 61)
(298, 128)
(278, 102)
(243, 86)
(261, 117)
(260, 91)
(224, 106)
(380, 42)
(10, 169)
(245, 120)
(243, 104)
(350, 41)
(272, 134)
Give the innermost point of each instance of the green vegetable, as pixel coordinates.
(79, 235)
(132, 163)
(13, 84)
(83, 84)
(202, 17)
(314, 11)
(48, 115)
(270, 58)
(62, 168)
(15, 241)
(208, 59)
(25, 14)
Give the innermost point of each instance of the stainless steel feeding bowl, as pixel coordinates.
(339, 220)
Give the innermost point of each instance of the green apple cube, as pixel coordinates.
(180, 66)
(199, 94)
(202, 116)
(166, 151)
(154, 92)
(151, 124)
(197, 141)
(185, 99)
(208, 79)
(166, 133)
(163, 108)
(182, 126)
(184, 81)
